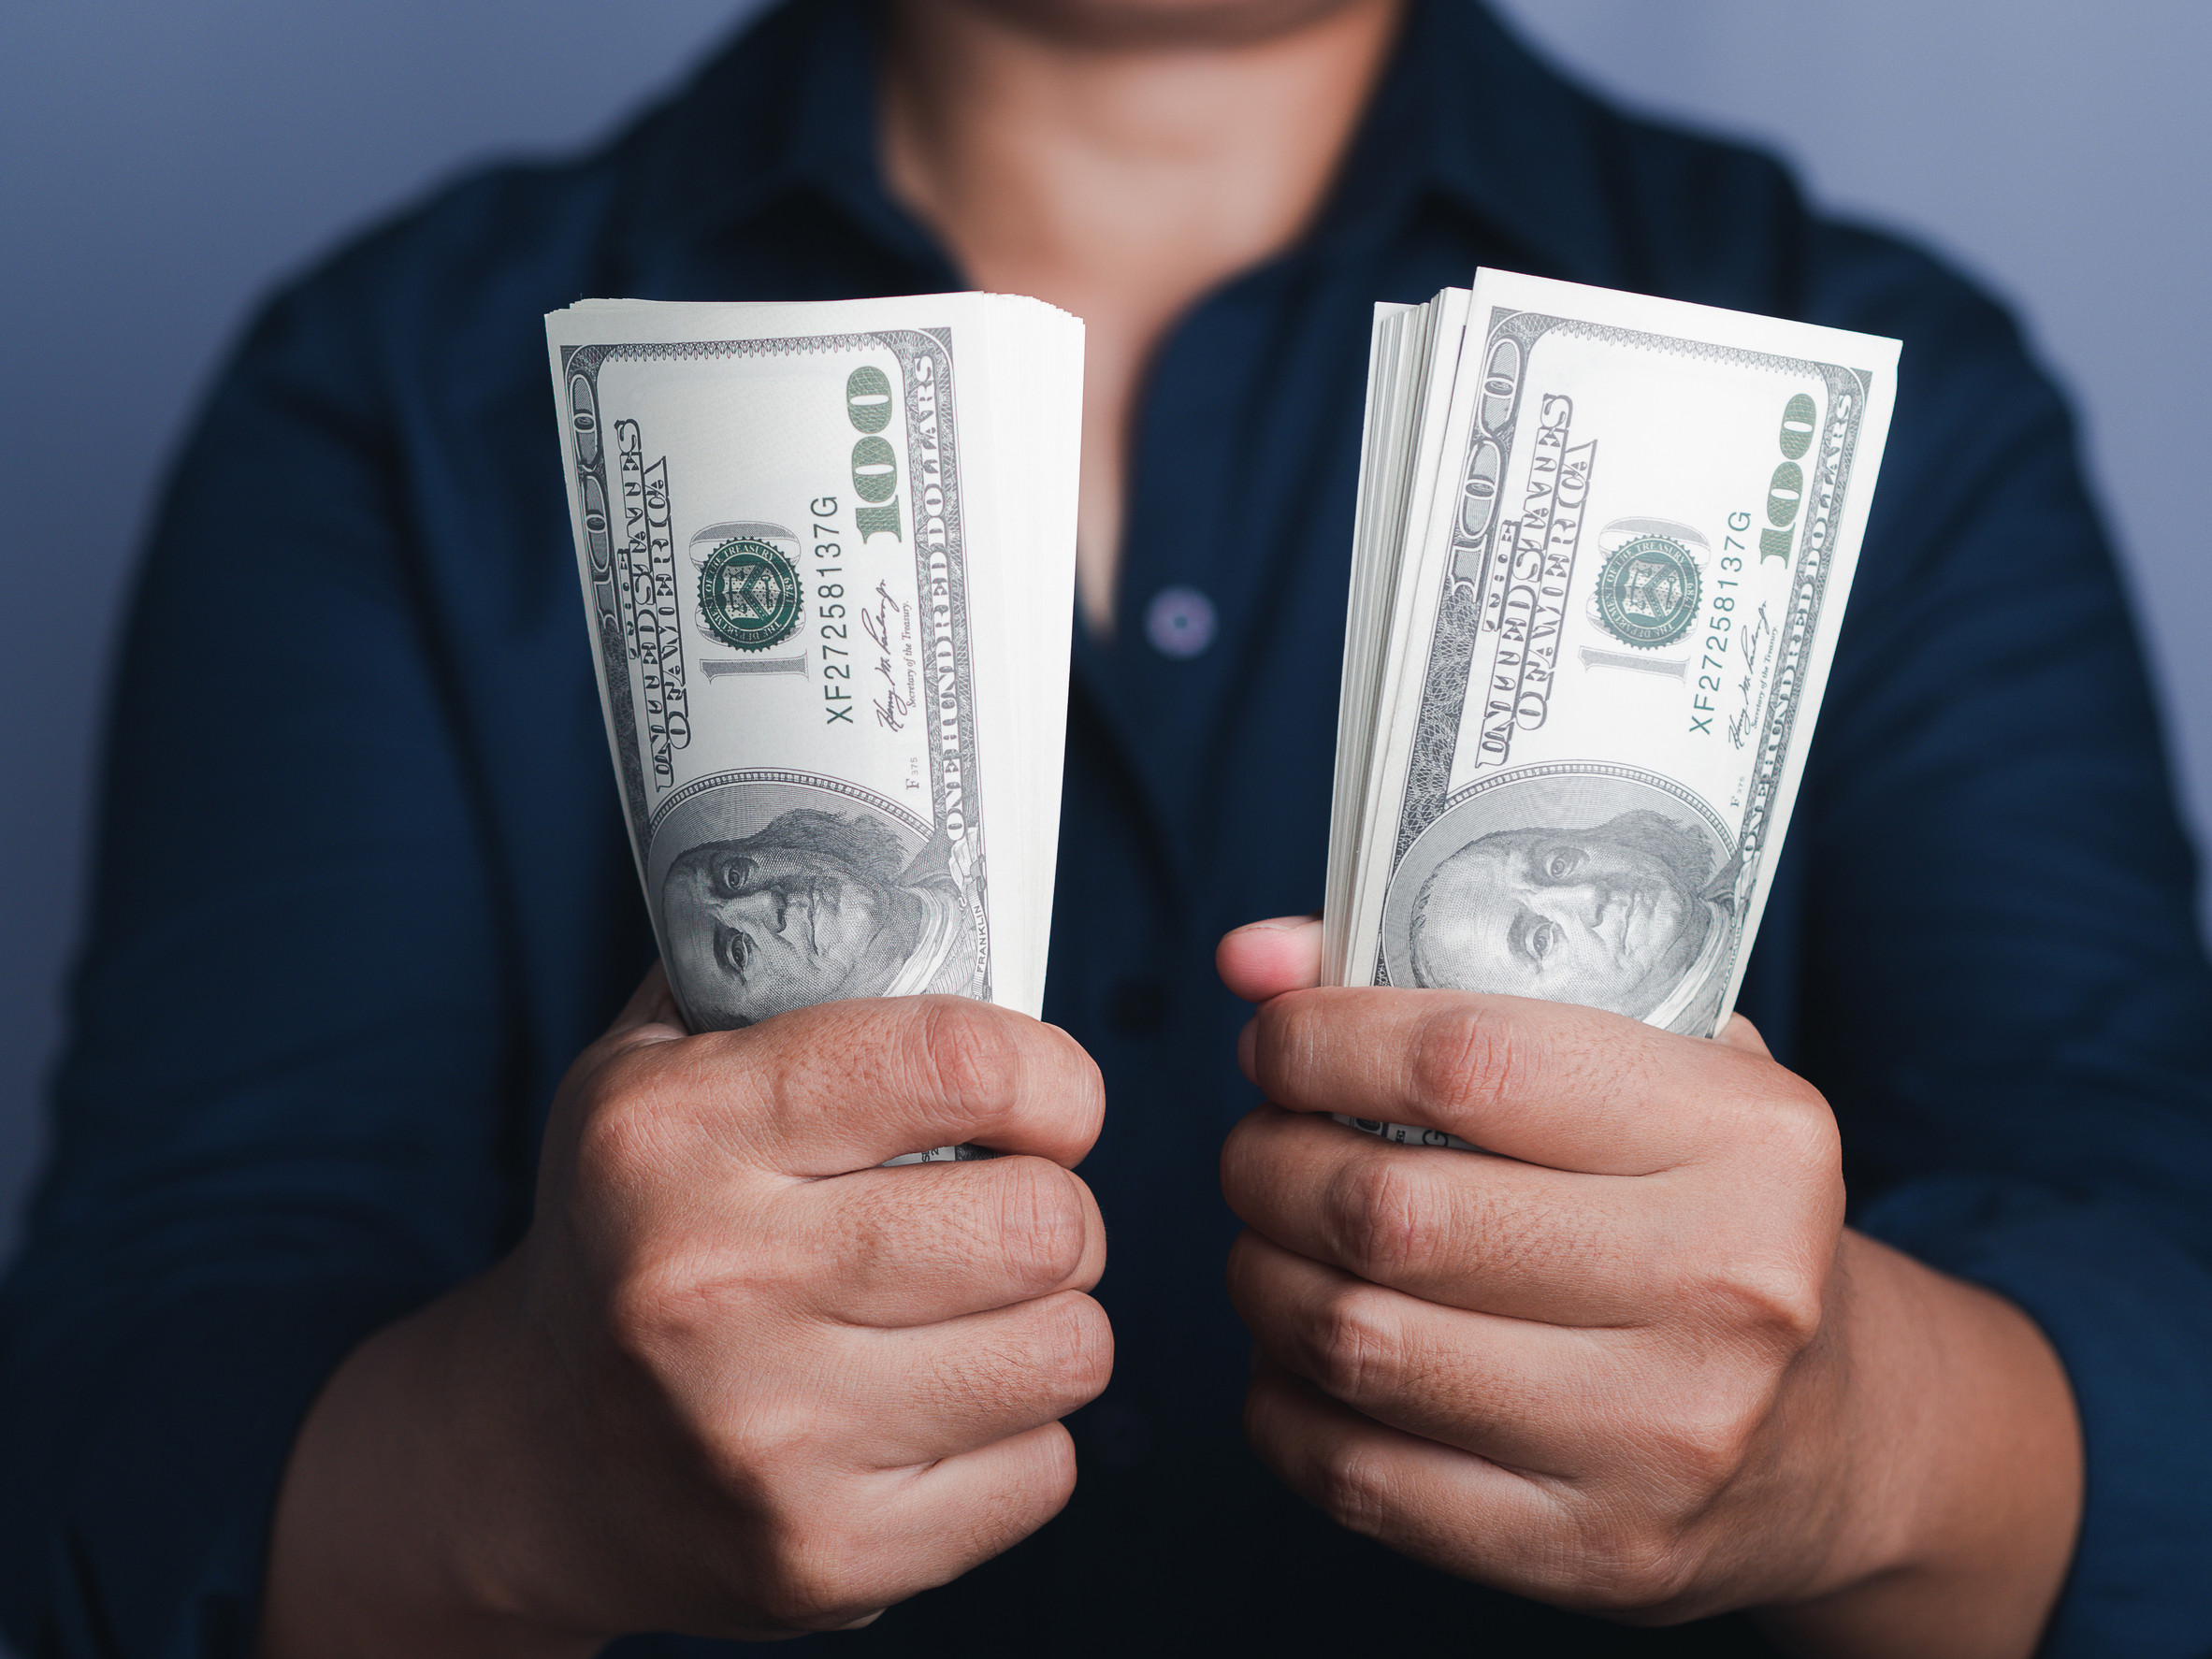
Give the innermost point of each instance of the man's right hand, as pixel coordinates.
(737, 1380)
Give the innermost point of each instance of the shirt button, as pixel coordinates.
(1139, 1007)
(1179, 622)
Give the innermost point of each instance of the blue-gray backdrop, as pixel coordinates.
(162, 164)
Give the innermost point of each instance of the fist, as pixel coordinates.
(1596, 1362)
(805, 1387)
(738, 1380)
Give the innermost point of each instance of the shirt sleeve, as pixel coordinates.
(284, 1118)
(2000, 981)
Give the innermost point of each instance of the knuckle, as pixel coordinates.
(1056, 1356)
(1250, 1162)
(965, 1055)
(1353, 1488)
(1050, 1054)
(1293, 1042)
(1052, 1479)
(772, 1446)
(1633, 1573)
(1072, 1355)
(1351, 1345)
(624, 1133)
(1778, 1304)
(1802, 1127)
(1708, 1442)
(1041, 1222)
(1373, 1220)
(1086, 1357)
(1465, 1058)
(1778, 1118)
(811, 1579)
(655, 1307)
(1031, 1489)
(664, 1305)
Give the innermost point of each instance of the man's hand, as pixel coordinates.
(1628, 1359)
(737, 1380)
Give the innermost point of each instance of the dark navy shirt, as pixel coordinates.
(364, 893)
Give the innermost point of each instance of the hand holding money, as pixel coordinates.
(1630, 1360)
(737, 1380)
(1623, 1356)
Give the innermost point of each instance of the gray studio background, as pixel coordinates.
(162, 161)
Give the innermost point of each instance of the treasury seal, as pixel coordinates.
(1648, 592)
(749, 594)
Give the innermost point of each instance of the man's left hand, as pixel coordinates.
(1627, 1359)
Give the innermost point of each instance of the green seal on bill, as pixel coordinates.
(1648, 592)
(749, 594)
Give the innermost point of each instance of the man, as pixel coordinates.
(810, 908)
(1617, 916)
(411, 1307)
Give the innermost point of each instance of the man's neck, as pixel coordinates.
(1122, 172)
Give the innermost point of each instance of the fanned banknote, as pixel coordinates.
(1602, 547)
(828, 556)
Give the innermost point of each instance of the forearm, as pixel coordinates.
(394, 1533)
(677, 1405)
(1965, 1486)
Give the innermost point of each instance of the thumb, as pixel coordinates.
(1262, 960)
(650, 1016)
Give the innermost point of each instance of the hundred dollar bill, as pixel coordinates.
(1602, 548)
(827, 554)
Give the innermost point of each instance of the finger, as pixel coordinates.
(898, 1247)
(929, 1525)
(843, 1085)
(933, 1392)
(650, 1016)
(1453, 1511)
(1741, 1034)
(1551, 1083)
(1538, 1399)
(1470, 1231)
(1262, 960)
(874, 1540)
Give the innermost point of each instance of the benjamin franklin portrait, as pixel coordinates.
(1624, 908)
(814, 906)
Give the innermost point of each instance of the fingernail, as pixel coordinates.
(1279, 924)
(1248, 1049)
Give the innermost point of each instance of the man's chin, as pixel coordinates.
(1648, 997)
(1165, 23)
(871, 976)
(1682, 955)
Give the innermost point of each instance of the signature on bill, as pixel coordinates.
(1760, 632)
(893, 708)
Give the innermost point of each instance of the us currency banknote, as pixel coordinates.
(827, 554)
(1602, 547)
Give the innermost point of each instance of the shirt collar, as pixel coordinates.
(1465, 114)
(788, 107)
(1508, 141)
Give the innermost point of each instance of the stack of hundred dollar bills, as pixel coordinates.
(1602, 546)
(827, 556)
